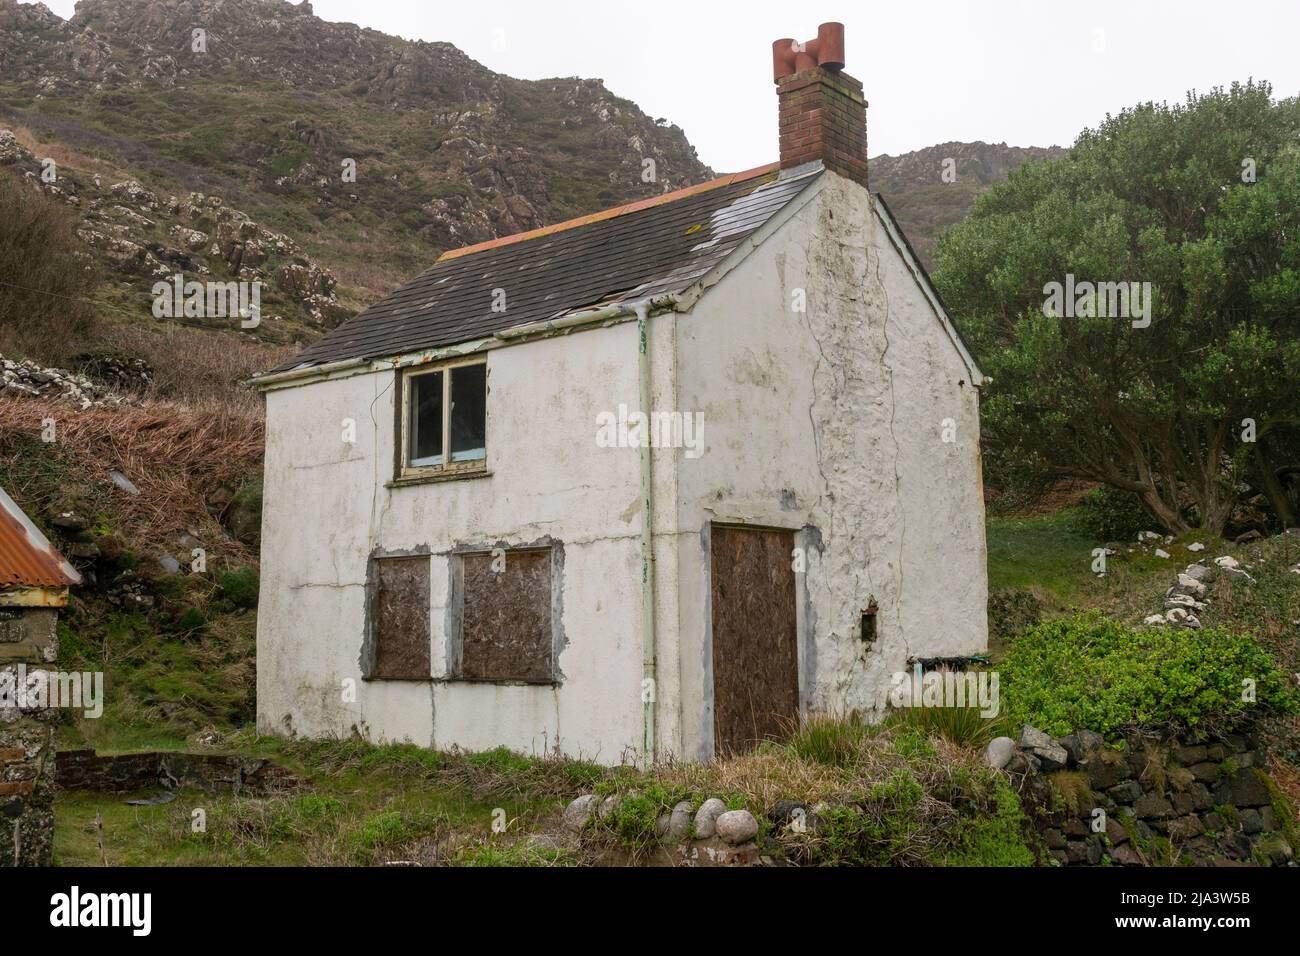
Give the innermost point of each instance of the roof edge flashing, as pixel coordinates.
(804, 169)
(516, 335)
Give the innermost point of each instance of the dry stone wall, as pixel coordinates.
(1149, 800)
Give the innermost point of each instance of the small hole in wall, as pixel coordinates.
(869, 615)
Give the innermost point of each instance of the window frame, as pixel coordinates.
(448, 468)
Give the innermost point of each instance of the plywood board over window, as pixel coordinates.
(506, 616)
(399, 618)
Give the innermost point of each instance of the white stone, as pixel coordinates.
(706, 817)
(1031, 738)
(679, 823)
(1196, 546)
(999, 752)
(1161, 553)
(577, 813)
(737, 826)
(606, 807)
(1227, 561)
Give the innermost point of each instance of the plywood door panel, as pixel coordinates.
(755, 653)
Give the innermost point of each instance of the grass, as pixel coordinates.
(361, 805)
(874, 795)
(1046, 556)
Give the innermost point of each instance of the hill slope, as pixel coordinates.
(233, 158)
(275, 111)
(925, 204)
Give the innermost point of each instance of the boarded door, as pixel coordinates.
(755, 654)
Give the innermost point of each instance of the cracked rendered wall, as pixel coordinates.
(830, 422)
(327, 508)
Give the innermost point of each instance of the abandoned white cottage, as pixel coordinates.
(458, 551)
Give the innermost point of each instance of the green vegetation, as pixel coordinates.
(1085, 670)
(239, 587)
(964, 726)
(829, 740)
(1111, 514)
(1158, 194)
(1048, 558)
(359, 805)
(43, 283)
(999, 838)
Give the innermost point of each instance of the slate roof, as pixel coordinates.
(653, 247)
(27, 559)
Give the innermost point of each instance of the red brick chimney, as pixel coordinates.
(823, 113)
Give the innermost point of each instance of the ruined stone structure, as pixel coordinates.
(34, 581)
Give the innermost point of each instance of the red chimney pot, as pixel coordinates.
(827, 51)
(822, 111)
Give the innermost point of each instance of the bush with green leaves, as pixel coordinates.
(1088, 671)
(996, 837)
(1111, 514)
(239, 587)
(1198, 203)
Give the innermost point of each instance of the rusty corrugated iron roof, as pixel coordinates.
(27, 559)
(643, 249)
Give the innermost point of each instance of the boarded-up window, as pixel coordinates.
(399, 618)
(506, 616)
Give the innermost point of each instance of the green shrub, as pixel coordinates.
(993, 838)
(631, 821)
(1111, 514)
(1086, 670)
(239, 587)
(190, 621)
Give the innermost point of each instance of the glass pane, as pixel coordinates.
(425, 427)
(469, 413)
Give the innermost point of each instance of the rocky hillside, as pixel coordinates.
(212, 154)
(926, 202)
(331, 162)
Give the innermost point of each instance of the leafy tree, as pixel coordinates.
(1202, 201)
(45, 275)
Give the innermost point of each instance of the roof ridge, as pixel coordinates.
(611, 213)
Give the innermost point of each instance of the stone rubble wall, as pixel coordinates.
(26, 743)
(1149, 801)
(124, 773)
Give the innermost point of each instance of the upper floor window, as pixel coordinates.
(444, 420)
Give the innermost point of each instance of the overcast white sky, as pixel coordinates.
(1025, 72)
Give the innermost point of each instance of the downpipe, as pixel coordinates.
(649, 687)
